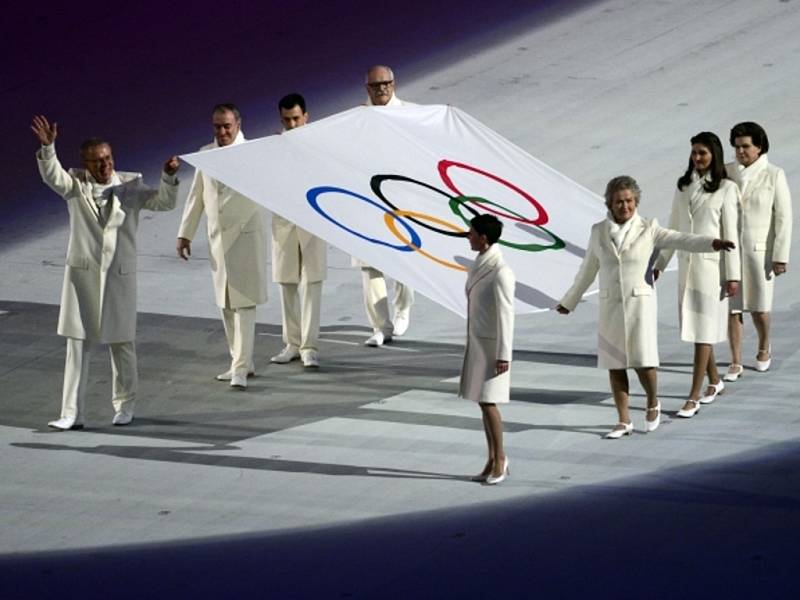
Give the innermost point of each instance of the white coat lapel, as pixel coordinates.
(606, 240)
(485, 264)
(750, 177)
(697, 194)
(223, 191)
(115, 220)
(637, 227)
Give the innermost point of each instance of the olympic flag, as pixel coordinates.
(395, 187)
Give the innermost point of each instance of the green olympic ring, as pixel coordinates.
(455, 205)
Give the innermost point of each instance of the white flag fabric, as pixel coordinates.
(396, 187)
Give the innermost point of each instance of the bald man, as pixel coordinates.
(380, 84)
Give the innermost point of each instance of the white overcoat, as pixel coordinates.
(765, 229)
(237, 238)
(98, 298)
(628, 320)
(490, 329)
(702, 303)
(295, 251)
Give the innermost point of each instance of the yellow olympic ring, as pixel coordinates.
(389, 219)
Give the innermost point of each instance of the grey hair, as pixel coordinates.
(620, 183)
(373, 67)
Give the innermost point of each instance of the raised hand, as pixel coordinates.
(43, 130)
(171, 165)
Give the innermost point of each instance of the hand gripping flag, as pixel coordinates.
(395, 187)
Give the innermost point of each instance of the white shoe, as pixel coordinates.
(310, 359)
(718, 388)
(653, 425)
(494, 480)
(65, 424)
(734, 372)
(687, 413)
(616, 433)
(378, 339)
(763, 365)
(228, 375)
(238, 382)
(401, 323)
(287, 355)
(122, 417)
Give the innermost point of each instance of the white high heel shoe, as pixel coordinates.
(481, 477)
(734, 372)
(763, 365)
(615, 434)
(492, 480)
(718, 388)
(653, 425)
(690, 412)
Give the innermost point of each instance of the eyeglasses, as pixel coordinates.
(376, 85)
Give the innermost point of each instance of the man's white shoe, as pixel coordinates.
(65, 424)
(239, 382)
(310, 359)
(287, 355)
(228, 375)
(378, 339)
(401, 323)
(122, 417)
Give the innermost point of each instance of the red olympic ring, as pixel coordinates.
(445, 164)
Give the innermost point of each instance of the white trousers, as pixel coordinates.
(376, 299)
(300, 313)
(240, 331)
(76, 377)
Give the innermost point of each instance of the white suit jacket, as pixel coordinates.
(490, 329)
(702, 304)
(627, 325)
(237, 238)
(765, 227)
(294, 250)
(98, 299)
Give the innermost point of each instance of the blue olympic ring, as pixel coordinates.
(313, 194)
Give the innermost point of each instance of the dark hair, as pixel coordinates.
(620, 183)
(752, 130)
(289, 101)
(227, 107)
(91, 143)
(487, 225)
(717, 168)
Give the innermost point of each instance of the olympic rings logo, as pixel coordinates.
(457, 201)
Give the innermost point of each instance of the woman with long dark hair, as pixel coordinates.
(705, 203)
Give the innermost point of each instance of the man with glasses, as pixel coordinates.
(98, 299)
(380, 84)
